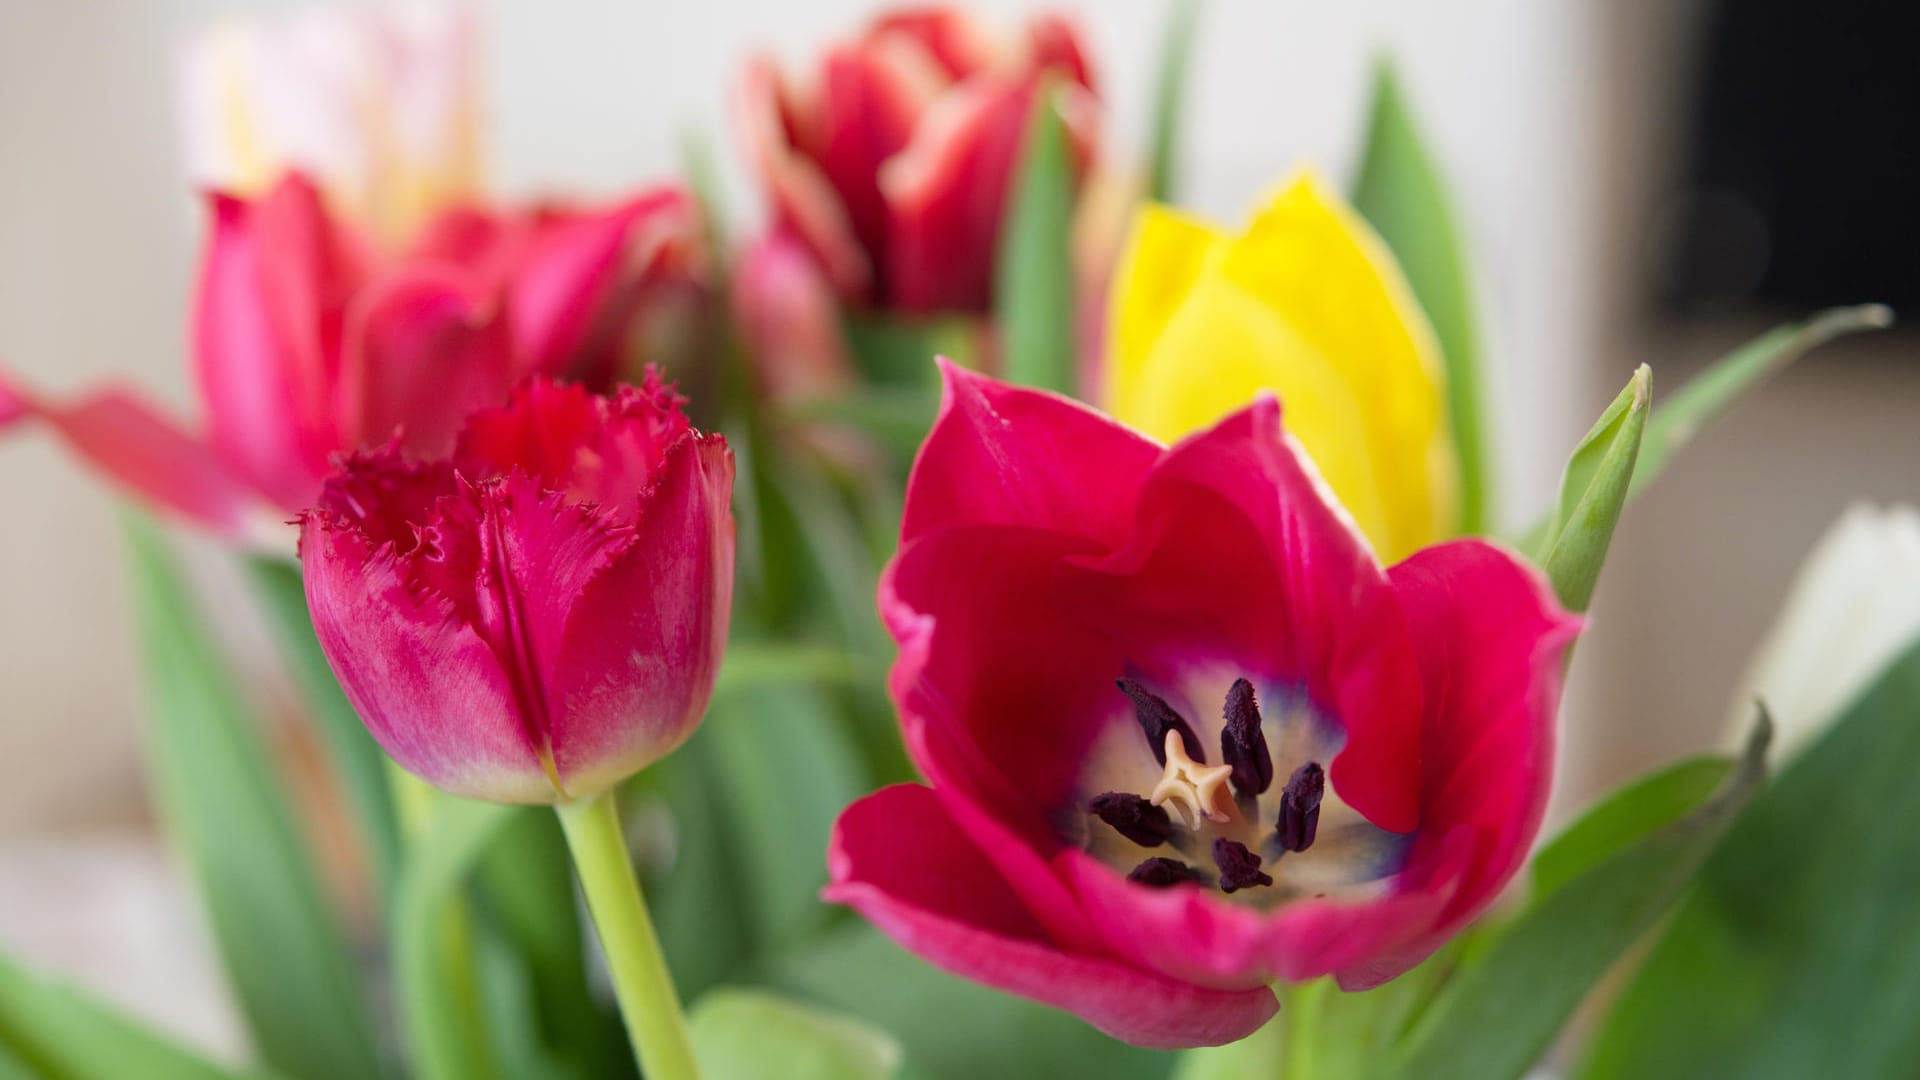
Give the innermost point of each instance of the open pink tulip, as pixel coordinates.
(892, 164)
(311, 338)
(541, 614)
(1183, 735)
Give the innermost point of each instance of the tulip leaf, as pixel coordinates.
(952, 1029)
(358, 762)
(692, 874)
(53, 1032)
(1033, 298)
(1709, 393)
(750, 1034)
(439, 1006)
(1500, 1011)
(1170, 90)
(224, 805)
(1627, 814)
(896, 351)
(1701, 400)
(1400, 192)
(897, 419)
(1798, 952)
(1592, 492)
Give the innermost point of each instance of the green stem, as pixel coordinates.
(641, 981)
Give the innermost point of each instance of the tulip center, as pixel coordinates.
(1258, 822)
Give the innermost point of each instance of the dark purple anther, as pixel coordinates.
(1239, 868)
(1300, 806)
(1157, 718)
(1242, 744)
(1160, 873)
(1133, 817)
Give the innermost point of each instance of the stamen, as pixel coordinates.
(1239, 868)
(1161, 873)
(1199, 791)
(1243, 745)
(1133, 817)
(1157, 718)
(1300, 807)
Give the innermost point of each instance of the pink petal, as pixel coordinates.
(790, 319)
(999, 454)
(571, 267)
(430, 691)
(422, 352)
(148, 454)
(267, 325)
(871, 102)
(946, 191)
(1053, 41)
(635, 666)
(599, 450)
(951, 36)
(1492, 641)
(899, 860)
(803, 199)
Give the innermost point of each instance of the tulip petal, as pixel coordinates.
(803, 200)
(267, 321)
(871, 104)
(1241, 545)
(903, 863)
(790, 319)
(642, 644)
(1493, 643)
(147, 453)
(431, 692)
(953, 37)
(421, 353)
(999, 454)
(1165, 254)
(573, 261)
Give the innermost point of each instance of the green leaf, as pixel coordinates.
(1592, 492)
(224, 805)
(897, 351)
(54, 1032)
(1170, 90)
(751, 1034)
(439, 1007)
(1706, 396)
(897, 419)
(1798, 952)
(358, 762)
(1709, 393)
(693, 877)
(1033, 298)
(1648, 803)
(952, 1029)
(1499, 1013)
(1400, 192)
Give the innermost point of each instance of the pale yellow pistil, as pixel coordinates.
(1193, 788)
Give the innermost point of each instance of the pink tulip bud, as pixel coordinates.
(540, 614)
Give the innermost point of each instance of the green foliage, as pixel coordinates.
(52, 1032)
(751, 1034)
(1592, 492)
(1499, 1011)
(1798, 952)
(1400, 192)
(1170, 90)
(1033, 299)
(285, 955)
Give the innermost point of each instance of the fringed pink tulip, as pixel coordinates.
(892, 164)
(1183, 735)
(311, 338)
(540, 614)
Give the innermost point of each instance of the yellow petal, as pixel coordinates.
(1309, 303)
(1164, 254)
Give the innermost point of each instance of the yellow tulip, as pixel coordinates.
(1306, 302)
(378, 107)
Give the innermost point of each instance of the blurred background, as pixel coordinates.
(1639, 180)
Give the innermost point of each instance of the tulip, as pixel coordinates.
(1852, 609)
(1183, 735)
(379, 106)
(1306, 302)
(539, 614)
(310, 339)
(892, 165)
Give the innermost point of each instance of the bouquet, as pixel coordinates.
(979, 619)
